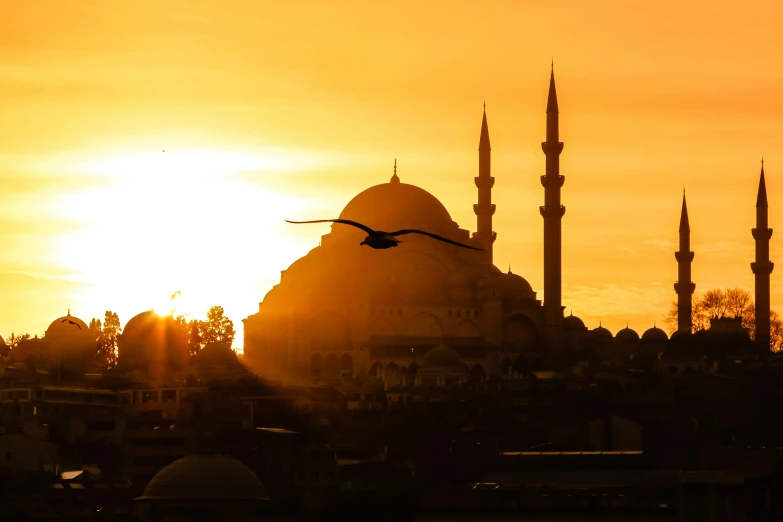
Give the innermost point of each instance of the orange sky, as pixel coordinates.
(285, 110)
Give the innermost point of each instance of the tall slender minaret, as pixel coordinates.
(762, 267)
(684, 286)
(552, 212)
(484, 182)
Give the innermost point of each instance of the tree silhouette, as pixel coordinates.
(217, 330)
(191, 329)
(732, 302)
(97, 333)
(775, 332)
(111, 331)
(195, 341)
(14, 340)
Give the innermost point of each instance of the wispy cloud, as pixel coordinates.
(661, 244)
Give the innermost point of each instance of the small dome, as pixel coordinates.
(572, 322)
(154, 341)
(627, 335)
(72, 345)
(602, 333)
(205, 477)
(655, 334)
(681, 336)
(442, 358)
(66, 326)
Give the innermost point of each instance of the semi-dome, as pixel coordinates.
(627, 335)
(460, 280)
(602, 333)
(655, 334)
(150, 340)
(572, 322)
(205, 477)
(516, 283)
(442, 358)
(216, 355)
(396, 205)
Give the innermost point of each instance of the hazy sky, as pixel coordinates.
(285, 110)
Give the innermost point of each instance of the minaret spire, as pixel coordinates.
(552, 212)
(684, 286)
(762, 267)
(485, 209)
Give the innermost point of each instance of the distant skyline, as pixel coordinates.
(271, 111)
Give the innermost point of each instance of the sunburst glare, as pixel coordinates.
(177, 223)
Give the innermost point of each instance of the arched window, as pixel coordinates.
(505, 365)
(346, 363)
(317, 365)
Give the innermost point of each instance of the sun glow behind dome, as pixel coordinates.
(177, 220)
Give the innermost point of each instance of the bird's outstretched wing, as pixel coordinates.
(71, 322)
(433, 236)
(343, 221)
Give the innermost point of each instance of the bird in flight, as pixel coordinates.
(164, 150)
(71, 322)
(380, 240)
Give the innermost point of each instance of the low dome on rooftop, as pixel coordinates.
(205, 477)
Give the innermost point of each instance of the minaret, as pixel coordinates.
(762, 267)
(684, 286)
(552, 212)
(484, 182)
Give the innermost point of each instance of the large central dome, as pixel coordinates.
(395, 205)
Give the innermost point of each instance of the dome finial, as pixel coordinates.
(572, 312)
(509, 268)
(394, 178)
(69, 311)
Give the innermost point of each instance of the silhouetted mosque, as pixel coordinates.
(427, 313)
(431, 311)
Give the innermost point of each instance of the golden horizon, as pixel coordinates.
(261, 125)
